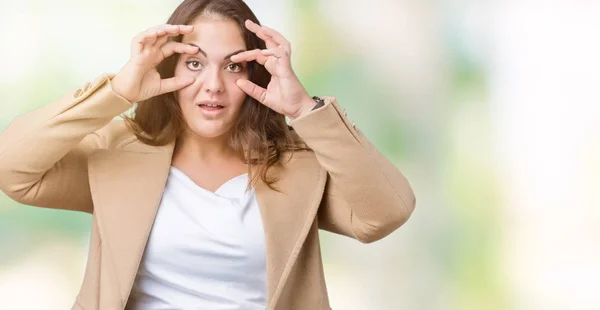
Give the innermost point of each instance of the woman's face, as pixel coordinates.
(212, 103)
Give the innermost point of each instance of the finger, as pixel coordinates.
(173, 47)
(162, 40)
(278, 38)
(252, 26)
(253, 90)
(140, 36)
(269, 35)
(162, 29)
(138, 42)
(252, 55)
(175, 83)
(244, 54)
(149, 37)
(278, 52)
(256, 29)
(175, 30)
(257, 55)
(168, 32)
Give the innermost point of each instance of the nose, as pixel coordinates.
(213, 81)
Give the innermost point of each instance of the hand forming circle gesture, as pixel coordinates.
(138, 80)
(284, 94)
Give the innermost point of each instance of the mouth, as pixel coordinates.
(211, 110)
(211, 107)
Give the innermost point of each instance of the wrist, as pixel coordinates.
(306, 105)
(115, 84)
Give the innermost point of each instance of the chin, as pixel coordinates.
(204, 130)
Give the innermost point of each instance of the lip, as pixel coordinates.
(211, 112)
(210, 102)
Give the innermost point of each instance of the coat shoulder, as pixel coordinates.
(304, 160)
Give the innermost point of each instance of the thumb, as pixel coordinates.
(175, 83)
(253, 90)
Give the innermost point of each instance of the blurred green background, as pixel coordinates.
(490, 108)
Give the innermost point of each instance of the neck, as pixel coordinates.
(191, 146)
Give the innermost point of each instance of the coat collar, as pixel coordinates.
(127, 186)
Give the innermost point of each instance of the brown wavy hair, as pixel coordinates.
(259, 133)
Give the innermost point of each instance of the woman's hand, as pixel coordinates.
(284, 94)
(138, 80)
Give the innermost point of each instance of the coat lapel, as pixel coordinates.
(287, 216)
(127, 186)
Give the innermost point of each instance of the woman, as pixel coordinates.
(204, 198)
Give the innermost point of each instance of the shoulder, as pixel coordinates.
(298, 157)
(301, 160)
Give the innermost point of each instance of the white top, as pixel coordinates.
(206, 249)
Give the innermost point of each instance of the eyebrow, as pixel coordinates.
(224, 58)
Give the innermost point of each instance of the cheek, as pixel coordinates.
(236, 95)
(185, 94)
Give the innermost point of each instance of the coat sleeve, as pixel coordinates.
(366, 196)
(43, 153)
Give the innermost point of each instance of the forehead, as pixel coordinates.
(215, 35)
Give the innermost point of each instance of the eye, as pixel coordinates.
(195, 63)
(235, 68)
